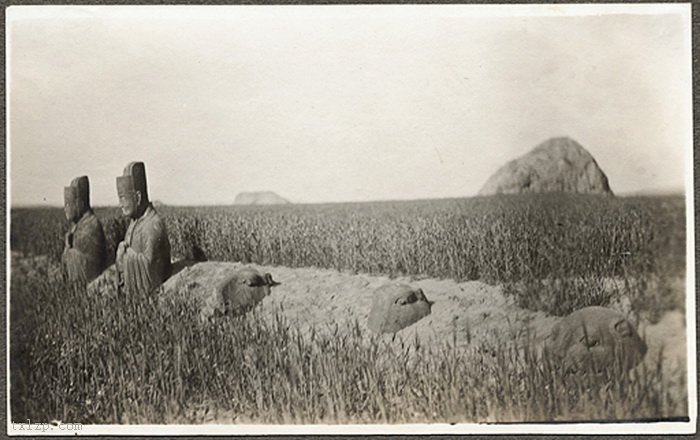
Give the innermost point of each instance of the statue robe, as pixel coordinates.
(84, 255)
(145, 263)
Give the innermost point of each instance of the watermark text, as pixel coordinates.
(55, 425)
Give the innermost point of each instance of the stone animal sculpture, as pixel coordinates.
(239, 292)
(595, 339)
(396, 306)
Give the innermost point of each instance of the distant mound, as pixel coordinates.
(558, 164)
(259, 198)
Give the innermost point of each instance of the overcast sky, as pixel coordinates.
(334, 103)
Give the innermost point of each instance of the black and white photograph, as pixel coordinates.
(350, 219)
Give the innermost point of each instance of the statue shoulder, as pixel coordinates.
(154, 221)
(89, 222)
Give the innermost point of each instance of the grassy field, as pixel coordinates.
(555, 253)
(136, 360)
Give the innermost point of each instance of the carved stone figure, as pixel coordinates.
(396, 306)
(85, 251)
(240, 291)
(217, 289)
(143, 258)
(595, 339)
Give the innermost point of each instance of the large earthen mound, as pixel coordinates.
(259, 198)
(106, 282)
(472, 316)
(556, 165)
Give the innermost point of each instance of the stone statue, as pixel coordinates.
(84, 252)
(595, 339)
(143, 258)
(396, 306)
(240, 291)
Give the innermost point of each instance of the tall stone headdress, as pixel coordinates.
(133, 179)
(78, 191)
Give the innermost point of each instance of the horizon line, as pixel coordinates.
(647, 193)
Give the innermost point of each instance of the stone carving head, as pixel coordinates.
(396, 306)
(596, 339)
(76, 198)
(243, 289)
(132, 190)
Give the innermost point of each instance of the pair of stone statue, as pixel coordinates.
(143, 257)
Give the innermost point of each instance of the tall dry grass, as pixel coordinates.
(137, 360)
(553, 252)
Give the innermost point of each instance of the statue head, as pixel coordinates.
(132, 190)
(594, 339)
(396, 306)
(76, 198)
(241, 290)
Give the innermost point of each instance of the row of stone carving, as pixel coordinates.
(593, 336)
(589, 339)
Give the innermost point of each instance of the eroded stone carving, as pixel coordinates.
(143, 258)
(84, 252)
(396, 306)
(239, 292)
(218, 289)
(596, 339)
